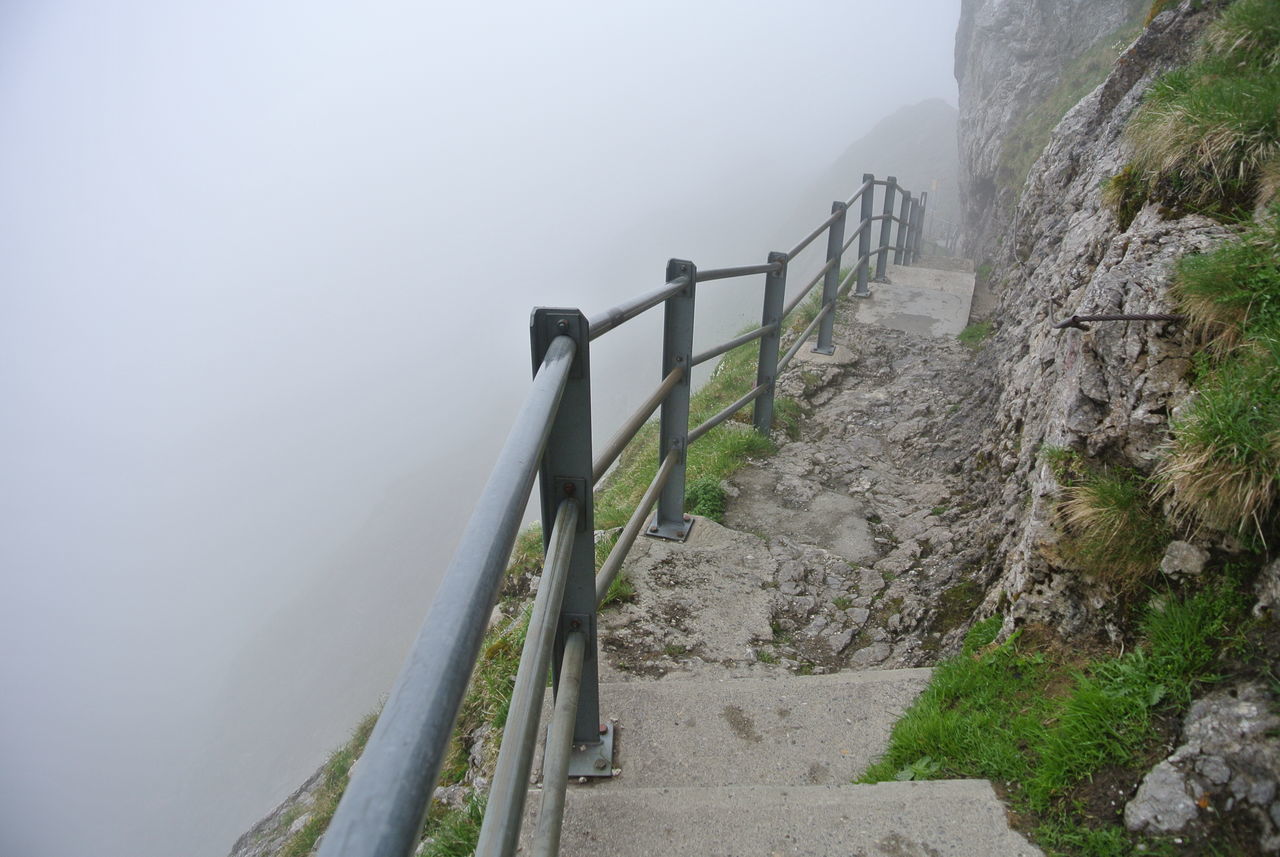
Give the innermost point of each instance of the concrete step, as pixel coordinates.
(919, 300)
(943, 818)
(822, 729)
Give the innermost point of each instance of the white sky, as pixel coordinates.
(265, 275)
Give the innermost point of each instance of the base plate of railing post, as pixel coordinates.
(829, 350)
(669, 532)
(883, 280)
(593, 760)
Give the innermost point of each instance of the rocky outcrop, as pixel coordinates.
(1009, 57)
(1109, 390)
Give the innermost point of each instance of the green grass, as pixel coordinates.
(1207, 136)
(1233, 292)
(337, 770)
(1043, 721)
(975, 334)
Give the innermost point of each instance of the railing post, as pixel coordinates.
(669, 522)
(864, 235)
(882, 258)
(924, 207)
(566, 472)
(775, 293)
(904, 226)
(831, 283)
(913, 231)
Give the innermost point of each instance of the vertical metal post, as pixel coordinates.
(882, 258)
(864, 234)
(775, 292)
(924, 207)
(904, 218)
(913, 232)
(831, 283)
(669, 521)
(566, 472)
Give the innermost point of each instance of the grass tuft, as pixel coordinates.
(975, 334)
(1233, 291)
(1208, 133)
(1113, 528)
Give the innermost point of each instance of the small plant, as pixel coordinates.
(1113, 528)
(974, 335)
(765, 656)
(842, 602)
(705, 497)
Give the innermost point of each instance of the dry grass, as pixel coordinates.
(1207, 134)
(1112, 527)
(1223, 463)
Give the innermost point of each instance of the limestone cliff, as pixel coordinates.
(1010, 60)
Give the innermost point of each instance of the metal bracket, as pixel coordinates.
(828, 351)
(566, 487)
(551, 322)
(593, 759)
(670, 534)
(570, 622)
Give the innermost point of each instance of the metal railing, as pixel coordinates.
(385, 804)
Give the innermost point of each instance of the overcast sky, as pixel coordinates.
(265, 276)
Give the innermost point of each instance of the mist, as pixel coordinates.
(266, 272)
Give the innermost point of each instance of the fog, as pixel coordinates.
(266, 276)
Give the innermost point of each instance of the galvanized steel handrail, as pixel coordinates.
(386, 802)
(628, 430)
(510, 785)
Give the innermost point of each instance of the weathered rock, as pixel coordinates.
(1229, 761)
(1183, 559)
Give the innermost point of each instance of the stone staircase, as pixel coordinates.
(745, 766)
(718, 751)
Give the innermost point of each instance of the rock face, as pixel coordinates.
(1009, 57)
(1107, 391)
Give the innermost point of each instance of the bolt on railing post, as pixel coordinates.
(677, 349)
(566, 472)
(831, 283)
(864, 235)
(775, 293)
(882, 258)
(904, 226)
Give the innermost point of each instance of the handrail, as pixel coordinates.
(628, 430)
(385, 804)
(627, 310)
(386, 801)
(609, 569)
(503, 814)
(729, 345)
(741, 271)
(694, 434)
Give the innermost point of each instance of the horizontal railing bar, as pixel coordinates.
(803, 293)
(741, 271)
(724, 347)
(623, 312)
(808, 239)
(866, 186)
(727, 412)
(804, 337)
(385, 804)
(861, 226)
(505, 811)
(628, 430)
(632, 528)
(555, 766)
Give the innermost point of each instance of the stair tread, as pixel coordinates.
(940, 818)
